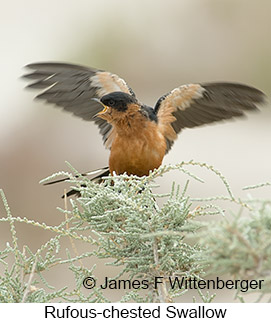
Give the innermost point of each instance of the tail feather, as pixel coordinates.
(97, 179)
(104, 171)
(92, 172)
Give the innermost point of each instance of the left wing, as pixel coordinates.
(194, 105)
(73, 87)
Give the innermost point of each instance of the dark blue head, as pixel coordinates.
(118, 100)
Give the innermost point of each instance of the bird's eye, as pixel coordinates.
(111, 102)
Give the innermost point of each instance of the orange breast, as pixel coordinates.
(137, 153)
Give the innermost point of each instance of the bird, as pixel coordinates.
(138, 136)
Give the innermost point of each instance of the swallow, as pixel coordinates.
(138, 136)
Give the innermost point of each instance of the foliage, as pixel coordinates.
(146, 234)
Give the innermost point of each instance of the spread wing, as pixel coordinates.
(194, 105)
(73, 87)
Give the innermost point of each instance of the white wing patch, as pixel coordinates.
(180, 98)
(183, 96)
(107, 83)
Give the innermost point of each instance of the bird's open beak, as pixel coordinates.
(105, 109)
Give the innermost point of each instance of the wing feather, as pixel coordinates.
(73, 87)
(194, 105)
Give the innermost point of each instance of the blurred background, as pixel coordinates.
(155, 46)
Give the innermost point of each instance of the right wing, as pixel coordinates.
(194, 105)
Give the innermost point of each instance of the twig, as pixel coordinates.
(29, 281)
(161, 288)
